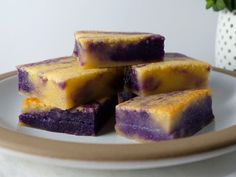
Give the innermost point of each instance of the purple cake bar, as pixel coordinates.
(177, 72)
(112, 49)
(83, 120)
(164, 116)
(64, 84)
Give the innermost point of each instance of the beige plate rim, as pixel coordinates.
(42, 147)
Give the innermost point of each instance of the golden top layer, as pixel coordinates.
(107, 34)
(51, 64)
(74, 72)
(85, 38)
(165, 105)
(172, 63)
(62, 69)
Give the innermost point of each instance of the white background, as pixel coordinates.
(32, 30)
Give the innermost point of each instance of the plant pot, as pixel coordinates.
(225, 48)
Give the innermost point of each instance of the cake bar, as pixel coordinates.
(177, 72)
(62, 82)
(164, 116)
(111, 49)
(82, 120)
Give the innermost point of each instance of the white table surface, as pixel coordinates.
(223, 166)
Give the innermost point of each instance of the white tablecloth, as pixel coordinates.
(223, 166)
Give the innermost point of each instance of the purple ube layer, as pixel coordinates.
(87, 120)
(24, 83)
(139, 123)
(130, 78)
(149, 49)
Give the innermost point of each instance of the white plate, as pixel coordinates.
(109, 151)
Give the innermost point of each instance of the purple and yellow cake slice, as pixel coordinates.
(62, 82)
(82, 120)
(164, 116)
(111, 49)
(177, 72)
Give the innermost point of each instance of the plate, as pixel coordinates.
(109, 151)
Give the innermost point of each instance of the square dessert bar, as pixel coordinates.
(164, 116)
(82, 120)
(111, 49)
(62, 82)
(177, 72)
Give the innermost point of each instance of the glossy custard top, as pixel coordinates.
(46, 67)
(60, 69)
(168, 102)
(50, 64)
(173, 62)
(107, 34)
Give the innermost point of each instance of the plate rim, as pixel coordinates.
(38, 146)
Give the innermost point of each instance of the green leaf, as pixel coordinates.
(234, 4)
(229, 4)
(215, 8)
(220, 4)
(209, 3)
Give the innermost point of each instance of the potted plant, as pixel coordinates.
(225, 48)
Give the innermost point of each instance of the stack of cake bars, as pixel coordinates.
(154, 95)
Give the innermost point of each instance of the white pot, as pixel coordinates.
(225, 48)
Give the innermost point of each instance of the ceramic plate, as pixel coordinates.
(109, 151)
